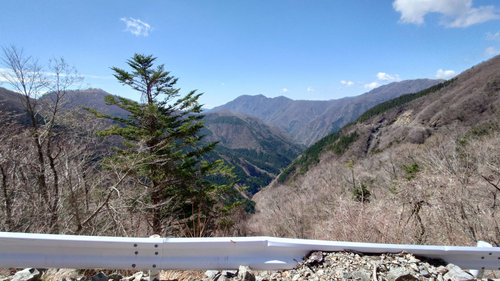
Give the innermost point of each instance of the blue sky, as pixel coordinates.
(225, 48)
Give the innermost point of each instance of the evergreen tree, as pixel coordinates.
(162, 150)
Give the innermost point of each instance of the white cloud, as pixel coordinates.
(5, 72)
(347, 83)
(372, 85)
(91, 76)
(284, 90)
(493, 36)
(310, 89)
(457, 13)
(387, 77)
(136, 26)
(491, 51)
(445, 74)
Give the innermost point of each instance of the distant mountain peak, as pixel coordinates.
(306, 121)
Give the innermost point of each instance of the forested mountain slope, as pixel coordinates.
(422, 168)
(257, 151)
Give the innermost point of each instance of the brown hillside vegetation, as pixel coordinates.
(426, 172)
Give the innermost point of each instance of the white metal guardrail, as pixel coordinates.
(70, 251)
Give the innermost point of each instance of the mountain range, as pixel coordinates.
(307, 121)
(253, 134)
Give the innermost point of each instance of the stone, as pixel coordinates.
(359, 275)
(211, 273)
(441, 270)
(245, 273)
(100, 277)
(425, 273)
(399, 274)
(222, 278)
(230, 273)
(27, 274)
(414, 267)
(406, 277)
(315, 258)
(137, 276)
(455, 273)
(115, 276)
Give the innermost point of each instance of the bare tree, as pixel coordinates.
(27, 77)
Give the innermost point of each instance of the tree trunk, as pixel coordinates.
(156, 211)
(54, 216)
(8, 203)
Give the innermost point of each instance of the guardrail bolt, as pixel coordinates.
(156, 245)
(156, 253)
(154, 265)
(133, 265)
(136, 252)
(135, 245)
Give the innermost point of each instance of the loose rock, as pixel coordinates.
(455, 273)
(245, 274)
(27, 274)
(100, 277)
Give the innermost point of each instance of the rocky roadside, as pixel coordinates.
(354, 266)
(316, 266)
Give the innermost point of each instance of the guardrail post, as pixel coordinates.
(478, 273)
(154, 274)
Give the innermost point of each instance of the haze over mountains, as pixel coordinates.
(307, 121)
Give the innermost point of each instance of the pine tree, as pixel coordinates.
(163, 150)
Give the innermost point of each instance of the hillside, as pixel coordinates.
(11, 107)
(257, 151)
(93, 98)
(423, 168)
(308, 121)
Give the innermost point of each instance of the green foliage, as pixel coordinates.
(483, 129)
(254, 168)
(361, 193)
(338, 143)
(309, 157)
(163, 153)
(393, 188)
(340, 146)
(478, 131)
(411, 170)
(385, 106)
